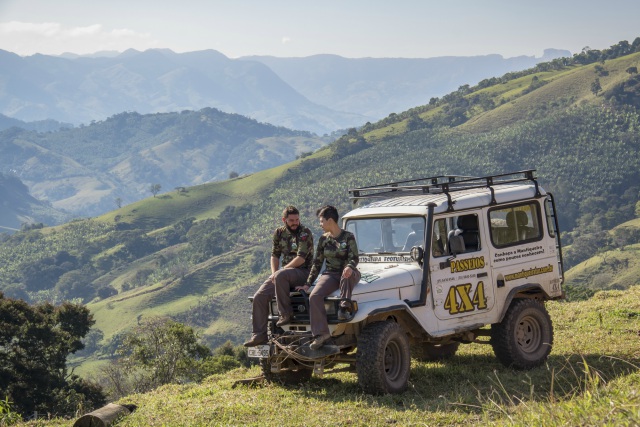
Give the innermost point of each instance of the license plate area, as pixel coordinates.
(259, 351)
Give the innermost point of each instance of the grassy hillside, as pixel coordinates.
(197, 254)
(615, 266)
(85, 169)
(592, 377)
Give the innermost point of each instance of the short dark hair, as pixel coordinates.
(328, 212)
(290, 210)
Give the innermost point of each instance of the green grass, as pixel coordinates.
(592, 377)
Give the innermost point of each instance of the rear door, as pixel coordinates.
(523, 252)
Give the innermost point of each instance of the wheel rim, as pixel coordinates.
(528, 335)
(392, 357)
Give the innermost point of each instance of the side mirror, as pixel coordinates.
(417, 254)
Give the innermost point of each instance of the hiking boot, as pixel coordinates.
(284, 320)
(319, 341)
(256, 340)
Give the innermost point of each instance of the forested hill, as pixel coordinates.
(85, 170)
(197, 254)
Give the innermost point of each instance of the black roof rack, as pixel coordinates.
(442, 184)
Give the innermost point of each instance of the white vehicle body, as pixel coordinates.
(500, 271)
(440, 261)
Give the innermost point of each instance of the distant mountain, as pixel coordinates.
(375, 87)
(321, 93)
(84, 170)
(38, 126)
(18, 207)
(84, 89)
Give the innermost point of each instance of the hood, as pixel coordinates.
(378, 277)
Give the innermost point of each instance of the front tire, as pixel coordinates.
(524, 338)
(383, 359)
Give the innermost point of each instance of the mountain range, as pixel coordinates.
(92, 169)
(320, 93)
(377, 87)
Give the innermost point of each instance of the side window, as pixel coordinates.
(514, 225)
(465, 237)
(456, 235)
(548, 208)
(439, 241)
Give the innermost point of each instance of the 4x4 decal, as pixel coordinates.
(459, 299)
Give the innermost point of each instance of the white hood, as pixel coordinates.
(379, 277)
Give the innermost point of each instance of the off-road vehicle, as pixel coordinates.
(445, 260)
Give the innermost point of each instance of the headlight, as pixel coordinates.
(274, 308)
(330, 307)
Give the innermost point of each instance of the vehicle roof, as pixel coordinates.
(462, 200)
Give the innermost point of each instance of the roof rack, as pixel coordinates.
(443, 184)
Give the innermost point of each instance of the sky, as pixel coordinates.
(299, 28)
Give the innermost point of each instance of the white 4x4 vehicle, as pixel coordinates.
(441, 258)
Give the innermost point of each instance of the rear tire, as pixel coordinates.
(383, 359)
(524, 338)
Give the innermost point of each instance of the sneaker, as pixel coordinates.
(256, 340)
(343, 314)
(319, 341)
(284, 320)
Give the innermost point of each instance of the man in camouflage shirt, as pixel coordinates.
(294, 243)
(337, 248)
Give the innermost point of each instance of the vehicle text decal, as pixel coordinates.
(528, 273)
(467, 264)
(518, 253)
(365, 259)
(460, 301)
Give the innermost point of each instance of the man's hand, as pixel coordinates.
(303, 288)
(347, 272)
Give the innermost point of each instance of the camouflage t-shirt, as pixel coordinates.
(289, 245)
(337, 252)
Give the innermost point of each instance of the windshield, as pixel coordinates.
(387, 235)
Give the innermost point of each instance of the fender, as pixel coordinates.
(529, 289)
(370, 308)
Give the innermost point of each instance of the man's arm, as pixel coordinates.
(296, 262)
(352, 256)
(275, 264)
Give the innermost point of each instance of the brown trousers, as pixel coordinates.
(284, 281)
(328, 282)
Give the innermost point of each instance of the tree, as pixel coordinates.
(596, 87)
(233, 174)
(35, 342)
(162, 350)
(632, 70)
(155, 189)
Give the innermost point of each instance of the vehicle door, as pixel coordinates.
(459, 271)
(522, 252)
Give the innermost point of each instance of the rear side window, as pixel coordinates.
(515, 225)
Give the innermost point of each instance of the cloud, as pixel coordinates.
(44, 29)
(27, 38)
(285, 40)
